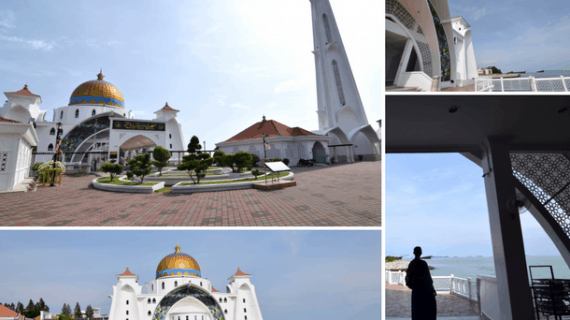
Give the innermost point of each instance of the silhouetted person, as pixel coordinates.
(418, 278)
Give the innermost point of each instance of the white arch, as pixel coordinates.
(337, 131)
(369, 132)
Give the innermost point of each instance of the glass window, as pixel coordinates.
(127, 312)
(338, 83)
(327, 28)
(77, 113)
(220, 300)
(127, 301)
(162, 284)
(61, 115)
(149, 312)
(186, 317)
(176, 283)
(153, 300)
(171, 148)
(225, 300)
(93, 112)
(200, 281)
(244, 310)
(170, 135)
(148, 300)
(178, 317)
(226, 311)
(50, 147)
(52, 132)
(243, 300)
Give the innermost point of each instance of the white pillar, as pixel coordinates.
(515, 300)
(404, 61)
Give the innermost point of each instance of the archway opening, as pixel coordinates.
(319, 153)
(135, 146)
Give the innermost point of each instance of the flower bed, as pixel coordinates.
(123, 185)
(210, 186)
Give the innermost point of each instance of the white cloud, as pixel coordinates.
(113, 43)
(304, 81)
(222, 100)
(36, 44)
(212, 30)
(239, 106)
(478, 14)
(7, 19)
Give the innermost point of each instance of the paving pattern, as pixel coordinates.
(339, 195)
(399, 304)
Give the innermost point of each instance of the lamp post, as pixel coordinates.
(57, 142)
(264, 154)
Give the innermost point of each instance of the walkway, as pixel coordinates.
(399, 305)
(339, 195)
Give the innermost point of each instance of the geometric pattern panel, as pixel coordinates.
(443, 46)
(3, 162)
(549, 85)
(442, 284)
(547, 177)
(78, 134)
(187, 291)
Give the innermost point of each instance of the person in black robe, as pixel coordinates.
(418, 278)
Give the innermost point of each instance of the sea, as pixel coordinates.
(465, 267)
(545, 74)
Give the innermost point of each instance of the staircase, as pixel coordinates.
(403, 89)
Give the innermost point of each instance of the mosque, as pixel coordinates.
(180, 293)
(426, 49)
(95, 125)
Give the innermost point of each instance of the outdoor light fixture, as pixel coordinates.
(57, 142)
(453, 109)
(563, 110)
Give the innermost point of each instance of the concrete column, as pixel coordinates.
(404, 61)
(515, 299)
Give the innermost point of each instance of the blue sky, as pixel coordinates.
(297, 274)
(438, 202)
(222, 63)
(516, 35)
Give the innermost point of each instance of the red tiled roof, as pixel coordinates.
(24, 92)
(127, 273)
(240, 273)
(2, 119)
(214, 290)
(5, 312)
(271, 128)
(167, 107)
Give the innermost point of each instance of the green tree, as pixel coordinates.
(63, 317)
(161, 157)
(194, 145)
(242, 159)
(256, 173)
(43, 305)
(89, 311)
(77, 311)
(196, 165)
(19, 308)
(140, 166)
(113, 169)
(255, 159)
(228, 160)
(218, 155)
(12, 306)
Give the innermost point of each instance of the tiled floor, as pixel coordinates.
(339, 195)
(399, 306)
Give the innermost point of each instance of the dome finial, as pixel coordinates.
(177, 248)
(263, 117)
(26, 86)
(100, 76)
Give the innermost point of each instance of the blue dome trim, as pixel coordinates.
(77, 100)
(167, 272)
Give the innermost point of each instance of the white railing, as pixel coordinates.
(557, 84)
(488, 296)
(464, 287)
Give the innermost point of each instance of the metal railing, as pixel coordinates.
(464, 287)
(556, 84)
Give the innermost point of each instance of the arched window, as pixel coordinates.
(245, 317)
(202, 317)
(93, 112)
(162, 284)
(226, 311)
(170, 135)
(186, 317)
(327, 28)
(149, 300)
(195, 317)
(149, 312)
(178, 317)
(153, 300)
(127, 312)
(220, 300)
(200, 281)
(77, 113)
(225, 300)
(52, 132)
(124, 115)
(244, 310)
(50, 147)
(171, 148)
(127, 301)
(61, 115)
(176, 283)
(243, 300)
(338, 83)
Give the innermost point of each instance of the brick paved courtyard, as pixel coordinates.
(339, 195)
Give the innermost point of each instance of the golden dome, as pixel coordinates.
(178, 264)
(97, 92)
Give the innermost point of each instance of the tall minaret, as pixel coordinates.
(339, 103)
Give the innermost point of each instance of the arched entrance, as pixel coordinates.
(187, 300)
(319, 153)
(135, 146)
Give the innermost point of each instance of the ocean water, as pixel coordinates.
(471, 267)
(545, 74)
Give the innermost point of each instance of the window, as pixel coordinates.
(52, 132)
(195, 317)
(200, 281)
(455, 40)
(61, 115)
(186, 317)
(226, 311)
(178, 317)
(176, 283)
(153, 300)
(243, 300)
(124, 115)
(220, 300)
(93, 112)
(171, 148)
(170, 135)
(202, 317)
(327, 28)
(244, 310)
(148, 300)
(127, 312)
(77, 113)
(50, 147)
(148, 312)
(162, 284)
(245, 317)
(338, 83)
(225, 300)
(127, 301)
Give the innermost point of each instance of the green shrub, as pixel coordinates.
(286, 161)
(276, 160)
(218, 155)
(140, 166)
(36, 166)
(194, 145)
(113, 169)
(391, 258)
(242, 160)
(130, 175)
(255, 159)
(161, 156)
(256, 173)
(249, 168)
(196, 165)
(228, 160)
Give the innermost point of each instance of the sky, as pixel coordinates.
(438, 202)
(297, 274)
(224, 64)
(518, 35)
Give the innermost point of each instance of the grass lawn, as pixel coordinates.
(260, 178)
(185, 175)
(123, 183)
(163, 190)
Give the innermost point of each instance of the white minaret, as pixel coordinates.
(339, 103)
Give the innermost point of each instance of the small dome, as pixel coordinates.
(178, 264)
(97, 92)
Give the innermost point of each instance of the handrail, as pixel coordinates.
(526, 84)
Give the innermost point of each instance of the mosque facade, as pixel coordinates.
(96, 126)
(179, 292)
